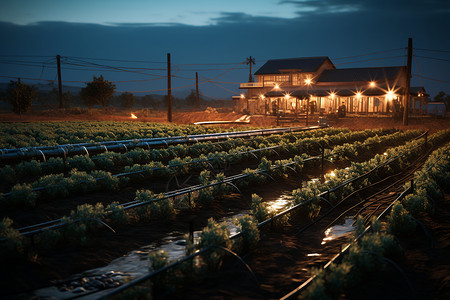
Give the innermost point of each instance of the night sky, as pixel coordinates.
(127, 41)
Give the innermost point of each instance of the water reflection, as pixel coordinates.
(337, 231)
(279, 204)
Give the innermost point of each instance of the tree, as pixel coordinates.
(67, 98)
(149, 100)
(443, 97)
(21, 96)
(98, 91)
(191, 99)
(127, 99)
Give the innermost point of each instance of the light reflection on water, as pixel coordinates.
(279, 204)
(136, 263)
(337, 231)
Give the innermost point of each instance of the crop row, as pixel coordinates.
(111, 161)
(215, 235)
(370, 253)
(156, 206)
(57, 186)
(19, 135)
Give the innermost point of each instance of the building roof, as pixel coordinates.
(415, 90)
(359, 74)
(305, 64)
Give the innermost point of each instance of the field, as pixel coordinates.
(92, 209)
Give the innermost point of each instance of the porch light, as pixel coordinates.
(372, 84)
(332, 95)
(390, 95)
(308, 81)
(276, 87)
(242, 96)
(358, 95)
(262, 96)
(287, 96)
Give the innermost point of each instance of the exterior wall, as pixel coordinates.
(257, 104)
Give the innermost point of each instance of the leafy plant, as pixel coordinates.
(259, 208)
(248, 225)
(400, 221)
(214, 234)
(11, 243)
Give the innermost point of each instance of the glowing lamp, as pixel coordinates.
(332, 95)
(390, 95)
(308, 81)
(372, 84)
(277, 87)
(358, 95)
(242, 96)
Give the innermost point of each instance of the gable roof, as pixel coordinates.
(305, 64)
(359, 74)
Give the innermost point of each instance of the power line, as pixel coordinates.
(422, 49)
(117, 68)
(433, 79)
(435, 58)
(367, 54)
(373, 59)
(118, 60)
(185, 86)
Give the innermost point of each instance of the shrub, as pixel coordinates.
(81, 182)
(117, 214)
(400, 221)
(11, 243)
(7, 174)
(29, 168)
(107, 180)
(417, 202)
(259, 208)
(214, 234)
(81, 162)
(83, 221)
(158, 260)
(55, 185)
(250, 232)
(23, 194)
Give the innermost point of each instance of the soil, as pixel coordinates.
(355, 122)
(426, 264)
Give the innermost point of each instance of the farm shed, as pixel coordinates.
(296, 84)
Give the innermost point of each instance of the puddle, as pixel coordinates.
(279, 204)
(337, 231)
(132, 265)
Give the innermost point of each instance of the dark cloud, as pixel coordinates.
(383, 7)
(243, 18)
(234, 36)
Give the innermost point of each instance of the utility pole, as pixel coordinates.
(250, 61)
(197, 103)
(169, 91)
(60, 94)
(408, 83)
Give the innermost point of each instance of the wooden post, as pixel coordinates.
(307, 110)
(408, 82)
(60, 95)
(250, 61)
(197, 103)
(169, 91)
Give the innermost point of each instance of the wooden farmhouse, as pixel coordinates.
(295, 85)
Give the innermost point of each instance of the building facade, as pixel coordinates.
(295, 85)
